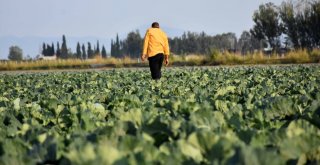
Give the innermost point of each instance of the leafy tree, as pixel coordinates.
(314, 23)
(15, 53)
(245, 42)
(301, 23)
(133, 44)
(267, 24)
(303, 30)
(293, 24)
(248, 43)
(227, 41)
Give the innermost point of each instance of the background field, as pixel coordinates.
(208, 115)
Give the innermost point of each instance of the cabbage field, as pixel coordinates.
(203, 115)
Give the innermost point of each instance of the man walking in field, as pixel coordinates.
(156, 49)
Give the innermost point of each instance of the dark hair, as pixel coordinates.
(155, 25)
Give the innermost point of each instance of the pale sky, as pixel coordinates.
(98, 18)
(29, 23)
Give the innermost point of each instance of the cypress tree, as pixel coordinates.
(58, 52)
(52, 49)
(104, 52)
(112, 49)
(97, 50)
(117, 47)
(48, 50)
(84, 54)
(44, 49)
(78, 54)
(64, 49)
(90, 51)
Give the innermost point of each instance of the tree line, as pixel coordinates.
(296, 21)
(188, 43)
(84, 51)
(131, 46)
(201, 43)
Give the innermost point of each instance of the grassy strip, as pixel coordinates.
(294, 57)
(69, 64)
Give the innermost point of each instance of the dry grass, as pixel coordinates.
(293, 57)
(192, 59)
(65, 64)
(315, 55)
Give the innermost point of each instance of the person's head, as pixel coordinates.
(155, 25)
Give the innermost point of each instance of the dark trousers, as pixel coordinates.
(155, 64)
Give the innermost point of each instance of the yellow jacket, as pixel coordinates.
(155, 41)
